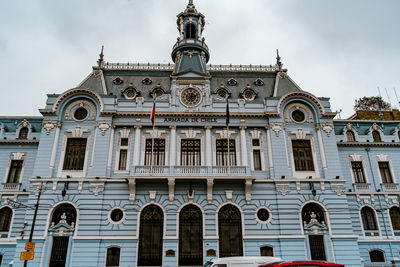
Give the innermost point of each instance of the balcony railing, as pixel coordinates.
(371, 233)
(11, 186)
(192, 170)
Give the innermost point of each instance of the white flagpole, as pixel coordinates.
(229, 156)
(152, 140)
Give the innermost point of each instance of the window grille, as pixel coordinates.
(15, 171)
(190, 152)
(113, 255)
(385, 172)
(302, 154)
(190, 236)
(75, 154)
(155, 156)
(317, 247)
(358, 171)
(222, 152)
(230, 231)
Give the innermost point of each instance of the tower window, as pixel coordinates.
(385, 172)
(302, 155)
(15, 171)
(23, 133)
(350, 136)
(376, 136)
(358, 171)
(190, 31)
(75, 154)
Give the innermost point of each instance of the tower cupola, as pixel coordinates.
(190, 53)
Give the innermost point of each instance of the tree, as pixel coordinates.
(371, 103)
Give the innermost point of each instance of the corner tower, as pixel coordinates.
(190, 53)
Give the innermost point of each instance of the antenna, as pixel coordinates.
(387, 94)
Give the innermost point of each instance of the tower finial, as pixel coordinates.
(278, 60)
(100, 62)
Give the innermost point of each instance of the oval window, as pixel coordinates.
(263, 215)
(81, 113)
(298, 116)
(117, 215)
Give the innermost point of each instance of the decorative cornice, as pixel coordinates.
(19, 142)
(367, 144)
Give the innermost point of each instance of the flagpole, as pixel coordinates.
(153, 115)
(227, 134)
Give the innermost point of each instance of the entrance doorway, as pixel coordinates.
(230, 231)
(151, 236)
(190, 236)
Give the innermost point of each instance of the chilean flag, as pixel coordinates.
(153, 112)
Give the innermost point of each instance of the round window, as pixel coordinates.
(191, 97)
(298, 116)
(249, 95)
(222, 93)
(117, 215)
(263, 214)
(80, 113)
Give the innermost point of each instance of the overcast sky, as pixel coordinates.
(339, 49)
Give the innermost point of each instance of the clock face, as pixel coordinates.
(191, 97)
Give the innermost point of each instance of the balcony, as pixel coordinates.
(192, 171)
(11, 186)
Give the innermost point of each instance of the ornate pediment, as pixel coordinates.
(62, 228)
(314, 227)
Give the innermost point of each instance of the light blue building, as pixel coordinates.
(283, 179)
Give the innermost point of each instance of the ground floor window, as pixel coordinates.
(377, 256)
(113, 255)
(317, 247)
(267, 251)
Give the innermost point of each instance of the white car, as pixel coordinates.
(250, 261)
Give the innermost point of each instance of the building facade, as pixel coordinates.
(280, 178)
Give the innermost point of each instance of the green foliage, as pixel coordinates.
(371, 103)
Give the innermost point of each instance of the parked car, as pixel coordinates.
(301, 264)
(246, 261)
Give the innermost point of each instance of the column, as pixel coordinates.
(172, 153)
(243, 145)
(54, 149)
(321, 149)
(269, 146)
(110, 148)
(208, 146)
(136, 148)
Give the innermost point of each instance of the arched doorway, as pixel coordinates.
(151, 236)
(230, 231)
(190, 236)
(62, 227)
(313, 220)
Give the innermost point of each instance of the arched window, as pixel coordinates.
(398, 134)
(377, 255)
(190, 31)
(376, 136)
(69, 211)
(350, 136)
(267, 251)
(395, 218)
(1, 258)
(23, 133)
(113, 255)
(310, 208)
(230, 231)
(5, 221)
(369, 221)
(151, 236)
(190, 236)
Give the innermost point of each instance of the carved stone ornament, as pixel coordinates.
(77, 132)
(327, 127)
(300, 134)
(338, 188)
(191, 133)
(155, 133)
(282, 188)
(276, 127)
(48, 126)
(356, 157)
(124, 133)
(96, 188)
(62, 228)
(382, 157)
(24, 123)
(17, 155)
(349, 126)
(103, 127)
(314, 227)
(228, 194)
(225, 133)
(255, 134)
(375, 127)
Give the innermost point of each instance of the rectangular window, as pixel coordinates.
(385, 172)
(190, 152)
(358, 172)
(123, 154)
(75, 154)
(222, 152)
(15, 171)
(256, 154)
(155, 152)
(302, 155)
(113, 255)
